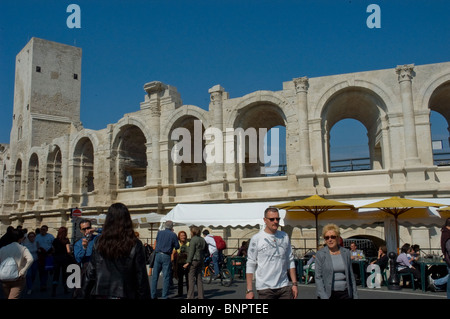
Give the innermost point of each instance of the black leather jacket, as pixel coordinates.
(119, 278)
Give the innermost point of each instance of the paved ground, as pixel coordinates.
(215, 290)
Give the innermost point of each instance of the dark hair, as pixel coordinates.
(83, 221)
(270, 209)
(405, 248)
(205, 232)
(62, 233)
(118, 237)
(196, 231)
(16, 235)
(447, 223)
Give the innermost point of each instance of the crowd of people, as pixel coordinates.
(114, 261)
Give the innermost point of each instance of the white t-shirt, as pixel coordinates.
(269, 257)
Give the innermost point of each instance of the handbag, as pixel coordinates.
(151, 259)
(9, 271)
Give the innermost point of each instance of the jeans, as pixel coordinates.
(216, 259)
(31, 274)
(162, 263)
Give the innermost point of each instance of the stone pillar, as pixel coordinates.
(405, 75)
(154, 90)
(216, 169)
(216, 106)
(301, 90)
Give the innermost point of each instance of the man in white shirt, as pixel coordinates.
(269, 258)
(213, 251)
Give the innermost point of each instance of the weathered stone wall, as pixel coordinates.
(132, 160)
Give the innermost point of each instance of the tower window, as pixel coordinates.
(75, 76)
(38, 69)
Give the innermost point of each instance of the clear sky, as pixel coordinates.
(244, 45)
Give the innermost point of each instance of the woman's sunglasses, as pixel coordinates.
(328, 237)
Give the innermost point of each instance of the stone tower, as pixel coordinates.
(46, 93)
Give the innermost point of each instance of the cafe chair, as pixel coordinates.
(409, 277)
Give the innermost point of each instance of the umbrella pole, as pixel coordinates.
(317, 231)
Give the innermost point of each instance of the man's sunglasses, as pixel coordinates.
(274, 218)
(86, 228)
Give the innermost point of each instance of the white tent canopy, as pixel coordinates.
(220, 215)
(142, 220)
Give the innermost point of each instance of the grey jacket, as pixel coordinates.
(324, 273)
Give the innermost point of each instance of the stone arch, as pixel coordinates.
(17, 180)
(129, 154)
(83, 165)
(363, 105)
(436, 97)
(258, 113)
(33, 177)
(186, 144)
(53, 171)
(181, 112)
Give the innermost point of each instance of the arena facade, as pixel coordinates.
(53, 163)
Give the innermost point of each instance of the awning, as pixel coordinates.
(221, 215)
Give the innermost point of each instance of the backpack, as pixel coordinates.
(220, 243)
(9, 270)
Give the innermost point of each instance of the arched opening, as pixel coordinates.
(349, 147)
(33, 177)
(54, 173)
(17, 180)
(186, 145)
(83, 167)
(131, 157)
(439, 119)
(260, 141)
(366, 108)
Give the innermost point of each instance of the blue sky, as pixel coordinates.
(244, 45)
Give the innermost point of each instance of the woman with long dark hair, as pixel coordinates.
(61, 251)
(117, 267)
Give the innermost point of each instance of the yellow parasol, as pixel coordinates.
(316, 205)
(397, 206)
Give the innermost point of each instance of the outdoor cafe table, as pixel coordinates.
(362, 270)
(426, 264)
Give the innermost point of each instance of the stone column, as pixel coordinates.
(405, 75)
(216, 106)
(301, 90)
(216, 170)
(154, 90)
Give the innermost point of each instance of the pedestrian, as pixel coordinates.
(215, 253)
(180, 259)
(194, 263)
(334, 274)
(23, 259)
(7, 238)
(30, 243)
(44, 242)
(61, 255)
(445, 247)
(269, 259)
(82, 249)
(166, 242)
(117, 265)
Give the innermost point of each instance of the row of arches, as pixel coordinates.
(131, 148)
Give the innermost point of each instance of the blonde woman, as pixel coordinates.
(334, 276)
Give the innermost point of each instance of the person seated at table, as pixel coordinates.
(404, 266)
(382, 260)
(355, 253)
(242, 252)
